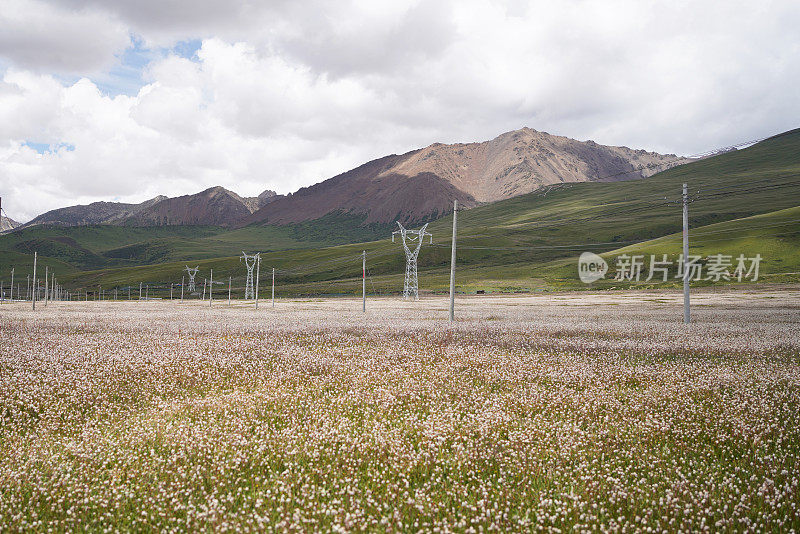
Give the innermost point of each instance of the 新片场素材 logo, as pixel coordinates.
(635, 268)
(591, 267)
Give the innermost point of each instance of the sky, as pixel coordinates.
(126, 100)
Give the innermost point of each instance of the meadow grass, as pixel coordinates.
(580, 412)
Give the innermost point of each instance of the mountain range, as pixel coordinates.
(215, 206)
(417, 186)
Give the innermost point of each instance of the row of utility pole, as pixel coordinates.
(52, 291)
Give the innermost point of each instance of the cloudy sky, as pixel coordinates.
(128, 99)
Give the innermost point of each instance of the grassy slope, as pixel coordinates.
(93, 247)
(532, 239)
(775, 236)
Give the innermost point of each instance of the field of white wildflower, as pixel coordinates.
(589, 412)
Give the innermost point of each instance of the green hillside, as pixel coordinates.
(100, 246)
(775, 236)
(530, 242)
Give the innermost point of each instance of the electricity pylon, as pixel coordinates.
(250, 261)
(411, 286)
(192, 274)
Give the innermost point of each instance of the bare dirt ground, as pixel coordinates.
(562, 411)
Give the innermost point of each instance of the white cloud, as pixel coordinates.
(41, 36)
(285, 94)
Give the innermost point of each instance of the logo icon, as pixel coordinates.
(591, 267)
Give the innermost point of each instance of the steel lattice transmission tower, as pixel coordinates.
(192, 274)
(411, 286)
(250, 261)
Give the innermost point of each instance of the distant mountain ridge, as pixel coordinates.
(94, 213)
(422, 184)
(417, 186)
(524, 160)
(369, 190)
(215, 206)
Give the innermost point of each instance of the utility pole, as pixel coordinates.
(258, 272)
(28, 288)
(273, 287)
(140, 291)
(686, 312)
(211, 289)
(12, 285)
(46, 267)
(183, 281)
(147, 292)
(129, 292)
(453, 264)
(205, 283)
(229, 290)
(170, 290)
(33, 299)
(364, 281)
(53, 287)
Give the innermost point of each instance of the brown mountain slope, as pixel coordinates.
(370, 190)
(422, 184)
(215, 206)
(94, 213)
(521, 161)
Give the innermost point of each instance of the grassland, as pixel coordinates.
(576, 412)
